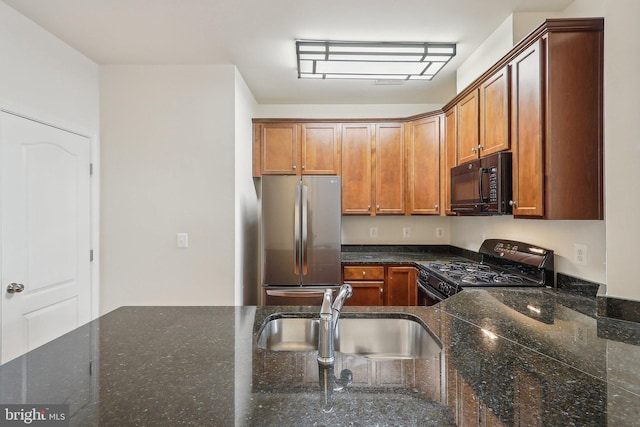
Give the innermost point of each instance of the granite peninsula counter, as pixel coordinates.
(510, 357)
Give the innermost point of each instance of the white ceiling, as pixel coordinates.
(258, 37)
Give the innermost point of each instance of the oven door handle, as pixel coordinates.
(430, 293)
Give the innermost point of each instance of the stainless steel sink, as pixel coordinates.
(373, 337)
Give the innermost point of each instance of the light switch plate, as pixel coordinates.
(182, 240)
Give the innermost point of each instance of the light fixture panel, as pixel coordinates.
(372, 60)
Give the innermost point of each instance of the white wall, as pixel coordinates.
(622, 146)
(246, 201)
(357, 230)
(168, 148)
(43, 78)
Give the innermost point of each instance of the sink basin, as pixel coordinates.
(373, 337)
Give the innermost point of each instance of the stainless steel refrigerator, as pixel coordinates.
(301, 238)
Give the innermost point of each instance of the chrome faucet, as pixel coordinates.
(329, 317)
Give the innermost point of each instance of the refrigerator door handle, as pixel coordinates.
(296, 230)
(305, 228)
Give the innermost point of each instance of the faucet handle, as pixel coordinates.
(326, 302)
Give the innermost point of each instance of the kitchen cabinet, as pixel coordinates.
(276, 147)
(494, 113)
(320, 148)
(449, 160)
(467, 127)
(556, 113)
(373, 174)
(357, 168)
(381, 285)
(483, 118)
(367, 283)
(423, 166)
(401, 287)
(284, 148)
(389, 166)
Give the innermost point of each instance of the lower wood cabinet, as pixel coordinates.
(375, 285)
(367, 282)
(401, 287)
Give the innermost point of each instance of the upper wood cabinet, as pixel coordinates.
(467, 127)
(556, 108)
(423, 166)
(528, 161)
(389, 166)
(320, 143)
(296, 149)
(450, 147)
(357, 168)
(373, 174)
(276, 147)
(483, 118)
(494, 113)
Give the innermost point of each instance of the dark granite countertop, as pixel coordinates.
(400, 255)
(511, 356)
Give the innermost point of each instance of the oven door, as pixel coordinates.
(427, 295)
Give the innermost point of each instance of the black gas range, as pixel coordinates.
(503, 263)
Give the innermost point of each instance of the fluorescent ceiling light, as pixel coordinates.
(371, 60)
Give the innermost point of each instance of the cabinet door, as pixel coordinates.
(390, 169)
(527, 124)
(279, 149)
(468, 133)
(423, 168)
(366, 293)
(357, 178)
(450, 157)
(494, 113)
(320, 146)
(401, 286)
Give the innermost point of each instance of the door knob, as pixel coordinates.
(15, 288)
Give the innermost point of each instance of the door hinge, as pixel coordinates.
(91, 255)
(90, 168)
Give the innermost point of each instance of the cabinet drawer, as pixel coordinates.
(362, 272)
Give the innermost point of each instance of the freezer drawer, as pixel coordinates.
(308, 295)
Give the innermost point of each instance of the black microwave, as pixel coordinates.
(483, 186)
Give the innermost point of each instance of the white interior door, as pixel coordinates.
(45, 198)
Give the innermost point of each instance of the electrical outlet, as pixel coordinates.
(373, 232)
(580, 254)
(406, 232)
(439, 232)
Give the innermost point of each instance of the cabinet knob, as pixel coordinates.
(435, 206)
(378, 207)
(303, 166)
(512, 203)
(364, 273)
(368, 207)
(480, 147)
(474, 149)
(294, 167)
